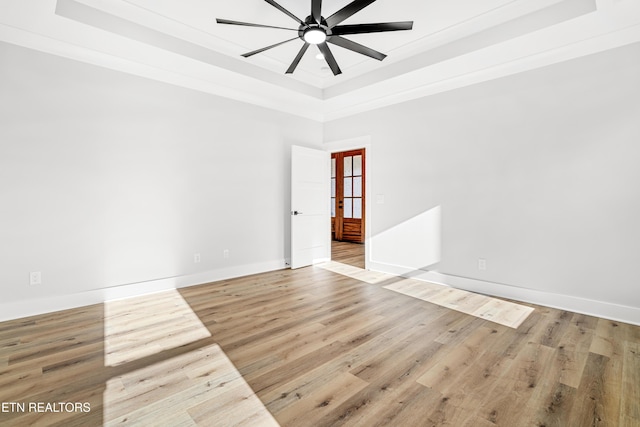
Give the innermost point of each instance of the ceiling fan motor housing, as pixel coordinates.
(310, 24)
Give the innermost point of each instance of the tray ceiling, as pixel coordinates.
(452, 44)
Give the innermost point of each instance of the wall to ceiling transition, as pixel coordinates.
(535, 173)
(110, 181)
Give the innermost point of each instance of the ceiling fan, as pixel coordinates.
(318, 30)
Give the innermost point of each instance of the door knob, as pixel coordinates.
(296, 213)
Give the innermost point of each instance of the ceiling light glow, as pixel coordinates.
(315, 36)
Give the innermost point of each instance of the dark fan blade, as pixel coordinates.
(248, 54)
(328, 56)
(316, 8)
(347, 11)
(249, 24)
(297, 59)
(342, 30)
(285, 11)
(356, 47)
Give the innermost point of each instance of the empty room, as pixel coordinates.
(320, 213)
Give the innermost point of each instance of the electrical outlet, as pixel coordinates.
(482, 264)
(225, 254)
(196, 258)
(35, 278)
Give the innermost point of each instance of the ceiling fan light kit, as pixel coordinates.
(319, 31)
(314, 36)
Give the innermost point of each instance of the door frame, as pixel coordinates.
(354, 144)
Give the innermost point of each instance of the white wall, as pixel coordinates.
(537, 173)
(107, 179)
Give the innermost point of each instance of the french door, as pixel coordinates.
(348, 196)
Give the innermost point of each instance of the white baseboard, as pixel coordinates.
(19, 309)
(606, 310)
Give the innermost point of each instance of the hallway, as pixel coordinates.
(348, 253)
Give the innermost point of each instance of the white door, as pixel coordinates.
(310, 210)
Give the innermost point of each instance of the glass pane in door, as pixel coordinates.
(348, 187)
(348, 166)
(357, 208)
(357, 165)
(348, 208)
(357, 186)
(333, 188)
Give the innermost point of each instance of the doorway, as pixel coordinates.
(348, 198)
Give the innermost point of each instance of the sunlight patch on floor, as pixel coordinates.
(493, 309)
(367, 276)
(198, 388)
(132, 330)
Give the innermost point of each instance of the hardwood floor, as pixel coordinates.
(311, 347)
(348, 253)
(494, 309)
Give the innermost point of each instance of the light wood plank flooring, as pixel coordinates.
(348, 253)
(348, 259)
(496, 310)
(310, 347)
